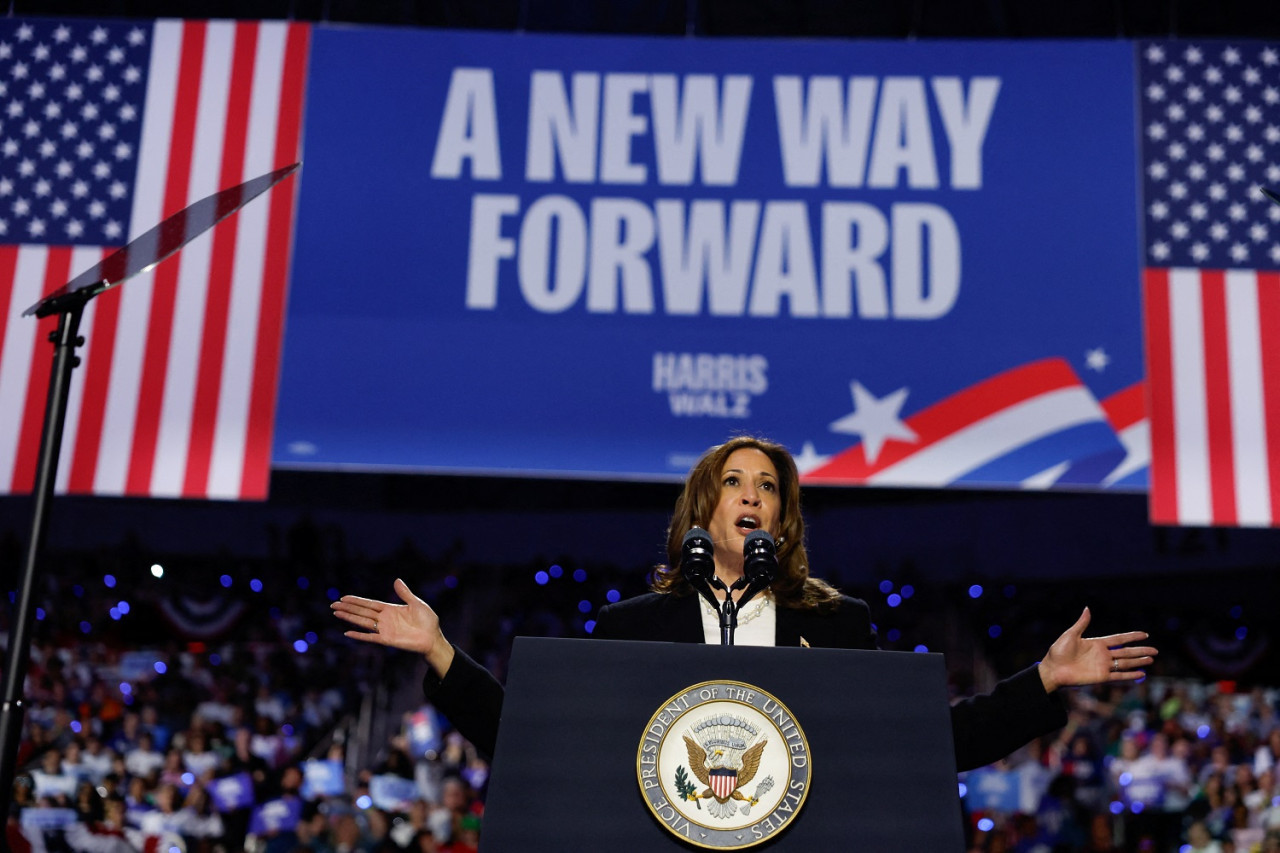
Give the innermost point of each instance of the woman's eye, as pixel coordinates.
(731, 481)
(768, 486)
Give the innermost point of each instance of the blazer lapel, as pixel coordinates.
(683, 618)
(789, 625)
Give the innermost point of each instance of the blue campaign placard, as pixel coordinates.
(912, 263)
(322, 778)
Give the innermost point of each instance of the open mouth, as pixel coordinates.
(748, 522)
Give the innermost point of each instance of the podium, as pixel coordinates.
(881, 774)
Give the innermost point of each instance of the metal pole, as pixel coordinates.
(13, 710)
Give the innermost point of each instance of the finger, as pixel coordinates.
(357, 601)
(361, 619)
(365, 637)
(339, 609)
(1136, 652)
(402, 590)
(1081, 623)
(1121, 639)
(1127, 675)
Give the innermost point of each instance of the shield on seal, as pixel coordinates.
(723, 782)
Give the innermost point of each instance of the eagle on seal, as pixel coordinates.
(723, 782)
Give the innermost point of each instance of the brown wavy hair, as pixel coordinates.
(793, 587)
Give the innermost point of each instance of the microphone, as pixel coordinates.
(696, 556)
(759, 559)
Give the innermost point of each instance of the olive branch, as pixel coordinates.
(685, 788)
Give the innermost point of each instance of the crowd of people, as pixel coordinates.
(141, 731)
(1166, 765)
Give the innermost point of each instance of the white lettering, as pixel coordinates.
(469, 127)
(854, 236)
(621, 123)
(698, 127)
(903, 139)
(910, 223)
(966, 126)
(824, 127)
(610, 256)
(703, 252)
(553, 287)
(488, 246)
(784, 263)
(560, 129)
(621, 232)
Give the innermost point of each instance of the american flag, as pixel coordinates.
(1210, 130)
(106, 128)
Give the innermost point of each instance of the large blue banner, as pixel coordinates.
(911, 263)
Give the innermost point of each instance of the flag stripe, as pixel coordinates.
(257, 455)
(1164, 482)
(57, 272)
(968, 450)
(120, 418)
(94, 375)
(204, 415)
(18, 353)
(1191, 439)
(159, 334)
(1217, 400)
(1252, 504)
(8, 267)
(1269, 346)
(78, 407)
(194, 264)
(1125, 408)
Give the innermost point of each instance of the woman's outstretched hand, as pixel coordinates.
(1075, 660)
(412, 626)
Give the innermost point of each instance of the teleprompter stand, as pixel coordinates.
(878, 726)
(68, 303)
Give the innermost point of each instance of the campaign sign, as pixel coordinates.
(912, 263)
(392, 793)
(232, 792)
(423, 732)
(322, 778)
(280, 815)
(45, 819)
(989, 790)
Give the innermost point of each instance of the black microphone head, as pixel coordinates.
(697, 559)
(760, 558)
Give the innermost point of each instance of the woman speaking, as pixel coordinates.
(737, 488)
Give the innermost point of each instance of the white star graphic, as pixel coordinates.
(808, 459)
(876, 420)
(1096, 359)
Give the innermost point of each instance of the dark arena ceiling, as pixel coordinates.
(881, 19)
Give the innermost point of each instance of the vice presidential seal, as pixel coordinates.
(724, 765)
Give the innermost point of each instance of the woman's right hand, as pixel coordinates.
(412, 626)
